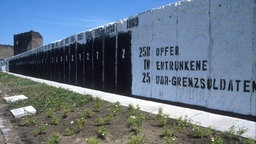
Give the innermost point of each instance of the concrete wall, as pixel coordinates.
(197, 52)
(193, 52)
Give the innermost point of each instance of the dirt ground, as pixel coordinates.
(96, 120)
(117, 129)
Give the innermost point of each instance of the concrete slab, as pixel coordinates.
(5, 131)
(206, 119)
(24, 111)
(15, 98)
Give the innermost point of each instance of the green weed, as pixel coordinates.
(114, 108)
(217, 140)
(161, 118)
(92, 140)
(86, 113)
(199, 132)
(102, 132)
(241, 131)
(100, 121)
(98, 103)
(169, 135)
(54, 120)
(80, 123)
(27, 121)
(233, 131)
(250, 141)
(53, 139)
(168, 132)
(136, 115)
(137, 139)
(68, 132)
(66, 110)
(181, 123)
(39, 129)
(169, 140)
(50, 113)
(136, 118)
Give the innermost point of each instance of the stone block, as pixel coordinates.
(24, 111)
(15, 98)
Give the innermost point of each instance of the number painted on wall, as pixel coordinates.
(87, 56)
(146, 77)
(97, 55)
(144, 51)
(80, 57)
(123, 53)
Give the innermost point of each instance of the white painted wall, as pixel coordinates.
(219, 32)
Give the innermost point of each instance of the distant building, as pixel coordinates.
(27, 41)
(6, 51)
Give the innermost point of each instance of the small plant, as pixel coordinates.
(65, 113)
(109, 117)
(114, 108)
(250, 141)
(136, 116)
(102, 132)
(168, 132)
(53, 139)
(137, 130)
(217, 140)
(130, 106)
(168, 135)
(137, 139)
(182, 123)
(100, 121)
(136, 119)
(80, 124)
(39, 129)
(55, 120)
(66, 110)
(169, 140)
(135, 122)
(86, 113)
(68, 132)
(104, 121)
(134, 110)
(92, 140)
(28, 121)
(239, 132)
(98, 103)
(199, 132)
(49, 113)
(161, 118)
(231, 130)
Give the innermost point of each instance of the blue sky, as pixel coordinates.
(57, 19)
